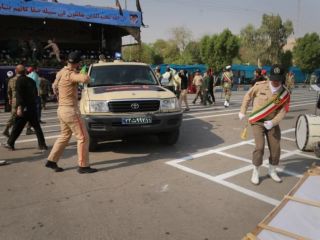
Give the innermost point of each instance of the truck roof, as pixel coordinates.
(119, 63)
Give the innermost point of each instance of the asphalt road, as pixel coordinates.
(198, 189)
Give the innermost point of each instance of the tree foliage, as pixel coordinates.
(218, 51)
(168, 50)
(143, 53)
(265, 43)
(306, 53)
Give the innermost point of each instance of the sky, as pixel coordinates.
(207, 17)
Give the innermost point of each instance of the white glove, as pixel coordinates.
(268, 124)
(241, 116)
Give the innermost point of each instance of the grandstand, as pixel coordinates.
(28, 25)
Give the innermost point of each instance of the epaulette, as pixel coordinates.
(261, 82)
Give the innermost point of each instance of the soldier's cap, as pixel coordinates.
(9, 74)
(277, 73)
(74, 57)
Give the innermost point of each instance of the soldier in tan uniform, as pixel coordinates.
(270, 104)
(66, 88)
(227, 78)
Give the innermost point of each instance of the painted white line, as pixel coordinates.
(234, 173)
(234, 157)
(235, 187)
(250, 193)
(233, 113)
(35, 139)
(288, 139)
(202, 109)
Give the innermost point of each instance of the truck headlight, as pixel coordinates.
(169, 104)
(98, 106)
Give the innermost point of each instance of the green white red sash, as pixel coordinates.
(281, 99)
(226, 77)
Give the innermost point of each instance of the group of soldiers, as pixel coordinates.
(269, 97)
(43, 89)
(204, 84)
(24, 98)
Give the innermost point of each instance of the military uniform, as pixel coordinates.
(265, 120)
(198, 81)
(290, 81)
(12, 100)
(227, 85)
(261, 95)
(43, 91)
(66, 85)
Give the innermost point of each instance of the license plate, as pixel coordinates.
(136, 120)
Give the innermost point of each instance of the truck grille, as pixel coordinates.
(134, 106)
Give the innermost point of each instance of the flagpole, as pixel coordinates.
(125, 4)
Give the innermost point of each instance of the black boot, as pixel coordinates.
(87, 170)
(54, 166)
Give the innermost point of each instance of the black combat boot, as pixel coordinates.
(82, 170)
(54, 166)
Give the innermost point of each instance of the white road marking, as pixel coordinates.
(288, 139)
(233, 113)
(165, 188)
(221, 179)
(227, 184)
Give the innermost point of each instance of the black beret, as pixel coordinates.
(74, 57)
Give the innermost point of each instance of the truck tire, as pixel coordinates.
(169, 138)
(93, 145)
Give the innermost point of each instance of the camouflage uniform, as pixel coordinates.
(43, 91)
(227, 85)
(12, 100)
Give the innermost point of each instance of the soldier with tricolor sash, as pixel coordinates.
(270, 105)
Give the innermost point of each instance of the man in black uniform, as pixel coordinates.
(26, 94)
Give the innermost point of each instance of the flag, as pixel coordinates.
(139, 9)
(119, 6)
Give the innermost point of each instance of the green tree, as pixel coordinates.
(143, 53)
(218, 51)
(306, 53)
(275, 33)
(168, 50)
(191, 54)
(265, 43)
(252, 45)
(286, 59)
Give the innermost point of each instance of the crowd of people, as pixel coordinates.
(47, 54)
(25, 94)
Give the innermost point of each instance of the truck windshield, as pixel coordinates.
(121, 75)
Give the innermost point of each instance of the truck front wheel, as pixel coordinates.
(169, 138)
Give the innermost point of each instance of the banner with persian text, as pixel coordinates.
(60, 11)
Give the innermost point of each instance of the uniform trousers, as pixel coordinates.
(71, 122)
(30, 115)
(273, 137)
(198, 93)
